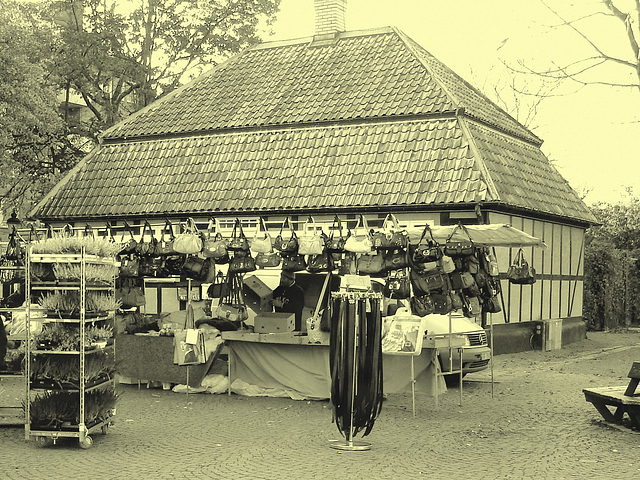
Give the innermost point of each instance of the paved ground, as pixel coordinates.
(536, 425)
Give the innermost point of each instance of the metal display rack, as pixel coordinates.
(46, 435)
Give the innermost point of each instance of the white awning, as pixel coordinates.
(493, 235)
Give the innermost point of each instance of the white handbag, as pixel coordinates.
(359, 242)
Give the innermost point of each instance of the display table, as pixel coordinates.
(150, 358)
(287, 361)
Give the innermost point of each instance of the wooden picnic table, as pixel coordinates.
(621, 399)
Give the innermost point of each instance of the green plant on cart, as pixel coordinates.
(101, 274)
(63, 244)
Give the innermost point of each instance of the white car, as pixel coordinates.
(476, 353)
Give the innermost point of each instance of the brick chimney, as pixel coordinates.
(330, 15)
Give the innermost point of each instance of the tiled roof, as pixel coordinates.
(523, 176)
(409, 163)
(371, 121)
(363, 75)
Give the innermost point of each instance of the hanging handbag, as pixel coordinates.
(359, 242)
(129, 266)
(335, 243)
(165, 245)
(238, 241)
(471, 306)
(471, 264)
(268, 259)
(425, 282)
(427, 249)
(462, 280)
(151, 266)
(520, 272)
(172, 265)
(442, 303)
(146, 247)
(214, 245)
(242, 264)
(128, 244)
(491, 305)
(489, 263)
(289, 245)
(369, 264)
(348, 264)
(422, 305)
(196, 267)
(319, 263)
(447, 264)
(394, 260)
(220, 287)
(293, 263)
(261, 245)
(390, 238)
(397, 285)
(189, 241)
(313, 244)
(459, 247)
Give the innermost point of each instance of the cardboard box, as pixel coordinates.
(279, 322)
(257, 294)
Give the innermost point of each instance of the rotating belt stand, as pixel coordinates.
(352, 298)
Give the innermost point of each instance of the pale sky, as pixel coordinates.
(592, 136)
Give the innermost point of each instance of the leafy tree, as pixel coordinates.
(34, 146)
(120, 60)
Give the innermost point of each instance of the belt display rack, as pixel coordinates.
(355, 362)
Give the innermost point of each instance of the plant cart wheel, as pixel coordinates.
(105, 429)
(86, 443)
(42, 441)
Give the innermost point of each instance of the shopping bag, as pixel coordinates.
(188, 347)
(188, 344)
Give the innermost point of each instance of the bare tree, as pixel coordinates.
(619, 46)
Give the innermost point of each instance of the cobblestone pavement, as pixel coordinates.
(536, 425)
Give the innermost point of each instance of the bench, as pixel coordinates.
(621, 399)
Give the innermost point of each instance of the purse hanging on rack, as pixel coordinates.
(165, 245)
(422, 305)
(265, 260)
(370, 264)
(359, 242)
(238, 241)
(520, 272)
(290, 245)
(293, 263)
(190, 240)
(348, 264)
(214, 246)
(313, 244)
(397, 285)
(196, 267)
(427, 249)
(264, 244)
(335, 243)
(242, 262)
(128, 243)
(219, 288)
(146, 247)
(395, 259)
(391, 238)
(320, 263)
(457, 248)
